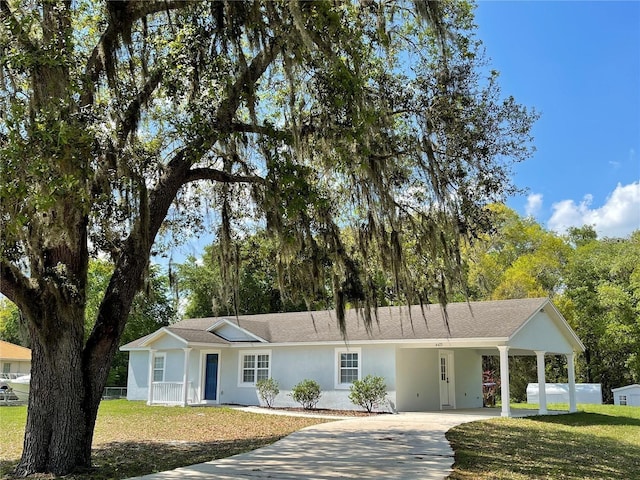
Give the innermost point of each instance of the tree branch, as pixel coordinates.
(132, 114)
(7, 17)
(134, 256)
(248, 78)
(222, 177)
(16, 287)
(132, 11)
(267, 130)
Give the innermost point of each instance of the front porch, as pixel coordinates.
(183, 377)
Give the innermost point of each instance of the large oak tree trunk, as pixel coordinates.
(56, 418)
(66, 387)
(69, 373)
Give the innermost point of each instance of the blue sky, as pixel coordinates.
(578, 64)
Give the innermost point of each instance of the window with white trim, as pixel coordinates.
(623, 399)
(254, 366)
(158, 367)
(348, 366)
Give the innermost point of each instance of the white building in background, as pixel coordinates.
(559, 393)
(629, 395)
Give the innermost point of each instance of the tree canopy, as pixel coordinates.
(518, 259)
(602, 302)
(254, 289)
(126, 124)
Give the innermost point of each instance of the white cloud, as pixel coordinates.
(534, 204)
(618, 217)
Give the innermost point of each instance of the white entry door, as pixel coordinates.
(447, 383)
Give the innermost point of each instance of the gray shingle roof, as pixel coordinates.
(466, 320)
(473, 320)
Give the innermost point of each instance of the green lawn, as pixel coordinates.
(134, 439)
(598, 442)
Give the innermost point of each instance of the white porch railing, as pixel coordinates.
(171, 393)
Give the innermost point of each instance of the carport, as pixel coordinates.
(546, 333)
(446, 373)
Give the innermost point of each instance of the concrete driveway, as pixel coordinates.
(406, 446)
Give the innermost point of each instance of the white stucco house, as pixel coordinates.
(627, 395)
(425, 365)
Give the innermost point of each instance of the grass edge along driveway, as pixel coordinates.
(133, 439)
(597, 442)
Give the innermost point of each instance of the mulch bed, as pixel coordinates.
(336, 413)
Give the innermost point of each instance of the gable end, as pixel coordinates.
(230, 332)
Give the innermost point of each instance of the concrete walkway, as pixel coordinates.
(406, 446)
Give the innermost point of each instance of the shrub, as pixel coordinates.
(307, 393)
(369, 393)
(267, 390)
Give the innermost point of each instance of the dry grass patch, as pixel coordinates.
(134, 439)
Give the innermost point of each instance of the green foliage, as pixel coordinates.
(255, 289)
(369, 393)
(307, 393)
(601, 301)
(98, 275)
(268, 390)
(519, 260)
(12, 329)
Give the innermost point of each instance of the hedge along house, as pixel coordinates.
(425, 365)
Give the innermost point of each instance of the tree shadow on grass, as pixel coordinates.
(583, 418)
(532, 449)
(119, 460)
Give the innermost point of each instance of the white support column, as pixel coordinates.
(504, 380)
(542, 385)
(185, 378)
(150, 382)
(571, 373)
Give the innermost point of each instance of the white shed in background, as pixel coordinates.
(559, 393)
(629, 395)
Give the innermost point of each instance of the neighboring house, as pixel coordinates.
(15, 361)
(425, 365)
(629, 395)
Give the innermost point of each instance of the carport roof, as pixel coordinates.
(500, 319)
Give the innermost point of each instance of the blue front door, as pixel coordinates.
(211, 377)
